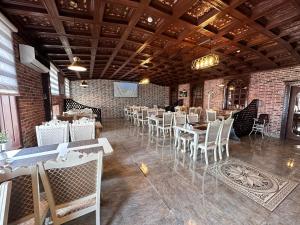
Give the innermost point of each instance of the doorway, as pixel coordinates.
(293, 119)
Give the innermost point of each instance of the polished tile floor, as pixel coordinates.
(177, 191)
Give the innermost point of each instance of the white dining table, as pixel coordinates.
(195, 132)
(33, 155)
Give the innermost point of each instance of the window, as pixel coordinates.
(8, 75)
(54, 80)
(67, 88)
(236, 94)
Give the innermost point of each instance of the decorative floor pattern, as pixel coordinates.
(263, 187)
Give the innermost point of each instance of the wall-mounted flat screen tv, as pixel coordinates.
(125, 90)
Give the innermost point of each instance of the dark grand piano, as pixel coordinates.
(243, 120)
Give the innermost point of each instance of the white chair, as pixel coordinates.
(142, 118)
(53, 132)
(192, 110)
(224, 136)
(211, 140)
(126, 113)
(5, 191)
(193, 118)
(160, 112)
(211, 115)
(27, 205)
(198, 110)
(165, 125)
(151, 123)
(73, 186)
(261, 124)
(177, 108)
(179, 120)
(83, 129)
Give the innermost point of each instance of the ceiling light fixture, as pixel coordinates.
(145, 81)
(206, 61)
(84, 84)
(238, 51)
(150, 19)
(76, 65)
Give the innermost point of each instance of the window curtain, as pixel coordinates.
(54, 80)
(67, 88)
(8, 74)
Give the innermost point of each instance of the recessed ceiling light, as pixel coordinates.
(150, 19)
(238, 51)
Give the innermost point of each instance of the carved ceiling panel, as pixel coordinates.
(221, 22)
(104, 51)
(51, 40)
(174, 30)
(138, 36)
(197, 11)
(34, 21)
(195, 37)
(108, 43)
(159, 43)
(130, 46)
(77, 28)
(79, 42)
(117, 12)
(74, 7)
(247, 35)
(111, 31)
(164, 5)
(149, 22)
(240, 31)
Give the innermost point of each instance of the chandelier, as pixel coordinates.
(206, 61)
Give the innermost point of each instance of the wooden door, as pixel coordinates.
(293, 121)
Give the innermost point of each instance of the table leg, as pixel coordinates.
(196, 139)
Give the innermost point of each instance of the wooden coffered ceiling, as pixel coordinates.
(115, 40)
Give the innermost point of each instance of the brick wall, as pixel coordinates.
(30, 102)
(100, 94)
(217, 98)
(268, 86)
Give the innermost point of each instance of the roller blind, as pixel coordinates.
(8, 74)
(54, 80)
(67, 88)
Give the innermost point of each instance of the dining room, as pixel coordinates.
(153, 112)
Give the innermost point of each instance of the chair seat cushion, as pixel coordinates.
(72, 208)
(186, 137)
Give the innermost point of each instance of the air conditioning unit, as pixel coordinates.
(28, 58)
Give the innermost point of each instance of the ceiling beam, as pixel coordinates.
(134, 20)
(98, 8)
(58, 26)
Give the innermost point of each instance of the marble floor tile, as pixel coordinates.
(178, 191)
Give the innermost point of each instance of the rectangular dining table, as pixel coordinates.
(32, 156)
(196, 131)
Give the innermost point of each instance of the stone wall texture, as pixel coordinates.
(100, 94)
